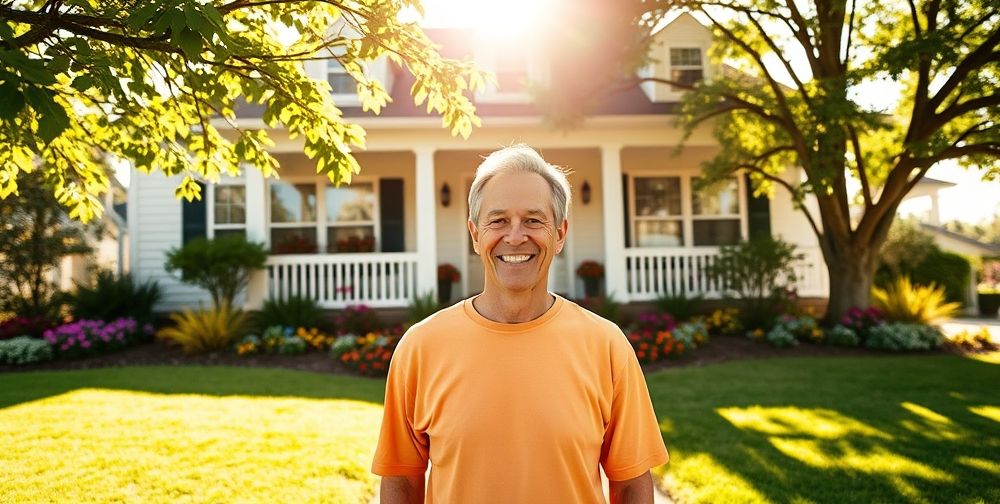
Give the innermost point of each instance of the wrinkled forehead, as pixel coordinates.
(517, 192)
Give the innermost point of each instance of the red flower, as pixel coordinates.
(590, 269)
(448, 273)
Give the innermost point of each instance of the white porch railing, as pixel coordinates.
(652, 272)
(337, 280)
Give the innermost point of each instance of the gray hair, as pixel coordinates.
(522, 159)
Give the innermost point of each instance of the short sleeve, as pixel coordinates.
(401, 450)
(632, 440)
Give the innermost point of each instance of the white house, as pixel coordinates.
(379, 240)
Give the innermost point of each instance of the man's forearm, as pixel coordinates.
(402, 490)
(634, 491)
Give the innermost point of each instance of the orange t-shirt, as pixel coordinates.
(517, 413)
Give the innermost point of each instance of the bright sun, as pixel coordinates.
(494, 18)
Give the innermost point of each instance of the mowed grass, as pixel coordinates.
(187, 434)
(878, 429)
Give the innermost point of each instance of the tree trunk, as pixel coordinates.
(852, 273)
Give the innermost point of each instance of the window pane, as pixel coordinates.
(718, 199)
(657, 196)
(351, 239)
(716, 232)
(665, 233)
(340, 81)
(293, 203)
(350, 203)
(685, 56)
(229, 205)
(685, 76)
(293, 240)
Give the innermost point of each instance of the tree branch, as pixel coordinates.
(791, 189)
(860, 163)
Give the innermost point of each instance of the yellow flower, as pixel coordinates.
(758, 333)
(817, 334)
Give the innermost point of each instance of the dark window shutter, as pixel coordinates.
(628, 228)
(758, 212)
(194, 218)
(390, 204)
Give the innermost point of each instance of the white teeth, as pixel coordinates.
(514, 259)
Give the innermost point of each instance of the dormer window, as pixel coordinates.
(686, 66)
(340, 81)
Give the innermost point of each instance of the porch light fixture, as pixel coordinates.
(585, 192)
(445, 195)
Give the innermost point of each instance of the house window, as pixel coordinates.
(512, 72)
(350, 217)
(229, 210)
(658, 218)
(685, 66)
(716, 213)
(293, 218)
(340, 81)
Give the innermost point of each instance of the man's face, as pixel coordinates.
(516, 235)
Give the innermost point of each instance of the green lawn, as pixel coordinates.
(188, 434)
(882, 429)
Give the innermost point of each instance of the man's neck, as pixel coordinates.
(513, 308)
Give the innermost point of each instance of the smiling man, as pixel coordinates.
(517, 395)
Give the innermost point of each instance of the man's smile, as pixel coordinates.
(515, 258)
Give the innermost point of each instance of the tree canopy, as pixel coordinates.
(787, 96)
(158, 83)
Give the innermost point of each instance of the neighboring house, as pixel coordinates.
(949, 240)
(379, 240)
(108, 239)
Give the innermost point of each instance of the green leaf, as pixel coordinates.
(52, 120)
(11, 101)
(196, 20)
(142, 15)
(190, 42)
(31, 70)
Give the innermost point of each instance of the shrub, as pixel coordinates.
(902, 301)
(358, 319)
(910, 251)
(780, 336)
(652, 346)
(113, 296)
(950, 271)
(655, 321)
(804, 328)
(24, 350)
(273, 340)
(368, 355)
(294, 311)
(222, 266)
(94, 337)
(691, 334)
(205, 330)
(681, 307)
(723, 321)
(903, 336)
(26, 326)
(758, 272)
(840, 335)
(422, 307)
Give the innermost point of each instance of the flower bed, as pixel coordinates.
(95, 337)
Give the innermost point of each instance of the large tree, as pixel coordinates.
(144, 81)
(787, 98)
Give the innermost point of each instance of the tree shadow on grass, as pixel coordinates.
(912, 429)
(206, 380)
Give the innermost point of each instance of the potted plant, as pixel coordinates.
(591, 272)
(447, 275)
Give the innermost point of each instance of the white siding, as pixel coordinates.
(155, 223)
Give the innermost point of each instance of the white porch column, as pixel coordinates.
(426, 223)
(256, 199)
(614, 233)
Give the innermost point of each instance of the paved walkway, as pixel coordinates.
(973, 325)
(658, 496)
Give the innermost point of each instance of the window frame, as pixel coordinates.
(687, 216)
(322, 224)
(671, 66)
(210, 202)
(350, 98)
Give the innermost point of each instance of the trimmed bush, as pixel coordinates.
(781, 337)
(24, 350)
(902, 336)
(842, 336)
(222, 266)
(293, 311)
(113, 296)
(205, 330)
(759, 273)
